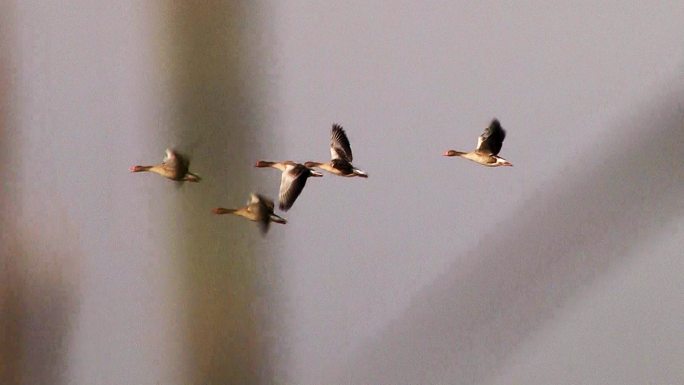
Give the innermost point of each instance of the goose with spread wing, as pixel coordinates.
(488, 147)
(259, 209)
(292, 181)
(341, 156)
(174, 166)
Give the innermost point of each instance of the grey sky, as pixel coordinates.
(114, 278)
(412, 81)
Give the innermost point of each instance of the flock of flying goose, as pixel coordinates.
(294, 175)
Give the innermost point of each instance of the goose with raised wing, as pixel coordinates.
(174, 166)
(259, 209)
(488, 147)
(341, 156)
(292, 181)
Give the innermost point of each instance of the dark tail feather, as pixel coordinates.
(277, 219)
(360, 173)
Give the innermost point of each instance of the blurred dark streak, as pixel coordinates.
(38, 306)
(218, 101)
(12, 301)
(464, 325)
(36, 302)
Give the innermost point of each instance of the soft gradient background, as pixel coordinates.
(564, 269)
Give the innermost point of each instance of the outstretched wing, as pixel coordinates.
(176, 162)
(492, 138)
(262, 208)
(266, 202)
(291, 185)
(339, 144)
(343, 166)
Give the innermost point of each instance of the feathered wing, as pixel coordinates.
(292, 183)
(262, 208)
(183, 164)
(492, 138)
(170, 161)
(267, 202)
(168, 155)
(339, 144)
(344, 166)
(253, 199)
(176, 162)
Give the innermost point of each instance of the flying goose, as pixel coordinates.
(292, 181)
(174, 167)
(340, 154)
(258, 209)
(488, 147)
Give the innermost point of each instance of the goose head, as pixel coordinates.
(452, 153)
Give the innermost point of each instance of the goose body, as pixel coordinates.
(292, 181)
(488, 147)
(340, 156)
(174, 166)
(259, 209)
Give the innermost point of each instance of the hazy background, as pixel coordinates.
(564, 269)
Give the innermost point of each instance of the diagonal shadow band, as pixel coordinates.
(463, 326)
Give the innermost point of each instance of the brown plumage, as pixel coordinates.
(174, 166)
(259, 209)
(292, 181)
(340, 156)
(488, 147)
